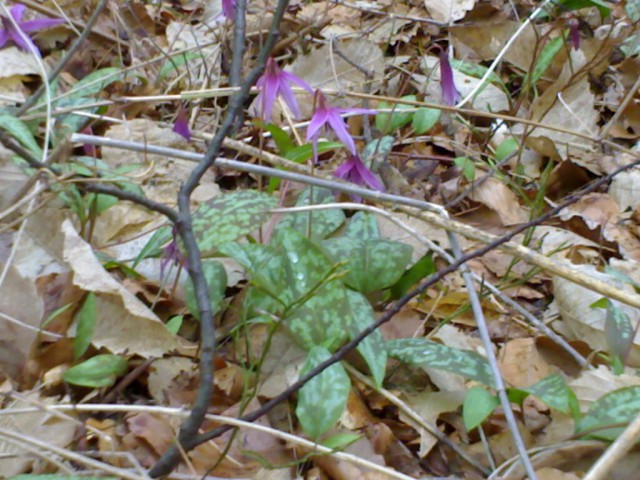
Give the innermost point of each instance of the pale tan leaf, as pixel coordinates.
(123, 323)
(448, 11)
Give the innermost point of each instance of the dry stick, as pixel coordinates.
(239, 26)
(499, 384)
(419, 210)
(189, 430)
(618, 449)
(63, 63)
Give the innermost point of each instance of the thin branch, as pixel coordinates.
(189, 430)
(239, 28)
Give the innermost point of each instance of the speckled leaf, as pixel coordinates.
(553, 391)
(372, 348)
(618, 330)
(314, 225)
(216, 277)
(323, 399)
(362, 226)
(228, 217)
(319, 320)
(372, 264)
(420, 351)
(615, 408)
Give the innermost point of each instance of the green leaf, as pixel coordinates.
(632, 7)
(568, 5)
(467, 166)
(302, 154)
(94, 83)
(553, 391)
(175, 62)
(153, 247)
(372, 265)
(19, 130)
(478, 405)
(517, 395)
(506, 148)
(318, 224)
(230, 216)
(340, 441)
(362, 226)
(284, 143)
(323, 399)
(372, 348)
(174, 324)
(475, 70)
(420, 351)
(97, 372)
(419, 270)
(305, 152)
(86, 326)
(615, 408)
(618, 330)
(547, 55)
(216, 277)
(425, 119)
(388, 122)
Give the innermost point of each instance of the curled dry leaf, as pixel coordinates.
(123, 323)
(586, 323)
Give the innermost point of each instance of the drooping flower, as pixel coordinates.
(10, 32)
(172, 254)
(181, 125)
(274, 82)
(574, 33)
(450, 94)
(326, 116)
(355, 171)
(229, 9)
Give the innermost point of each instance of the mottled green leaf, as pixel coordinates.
(632, 7)
(372, 348)
(618, 330)
(318, 224)
(216, 277)
(97, 372)
(553, 391)
(323, 399)
(474, 70)
(86, 326)
(420, 351)
(373, 265)
(478, 405)
(603, 7)
(615, 408)
(362, 226)
(387, 122)
(230, 216)
(425, 119)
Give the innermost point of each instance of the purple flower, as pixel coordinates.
(10, 32)
(355, 171)
(324, 116)
(229, 9)
(172, 254)
(181, 125)
(450, 95)
(276, 82)
(574, 33)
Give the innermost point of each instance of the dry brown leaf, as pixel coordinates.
(123, 324)
(521, 364)
(498, 197)
(448, 11)
(586, 323)
(41, 425)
